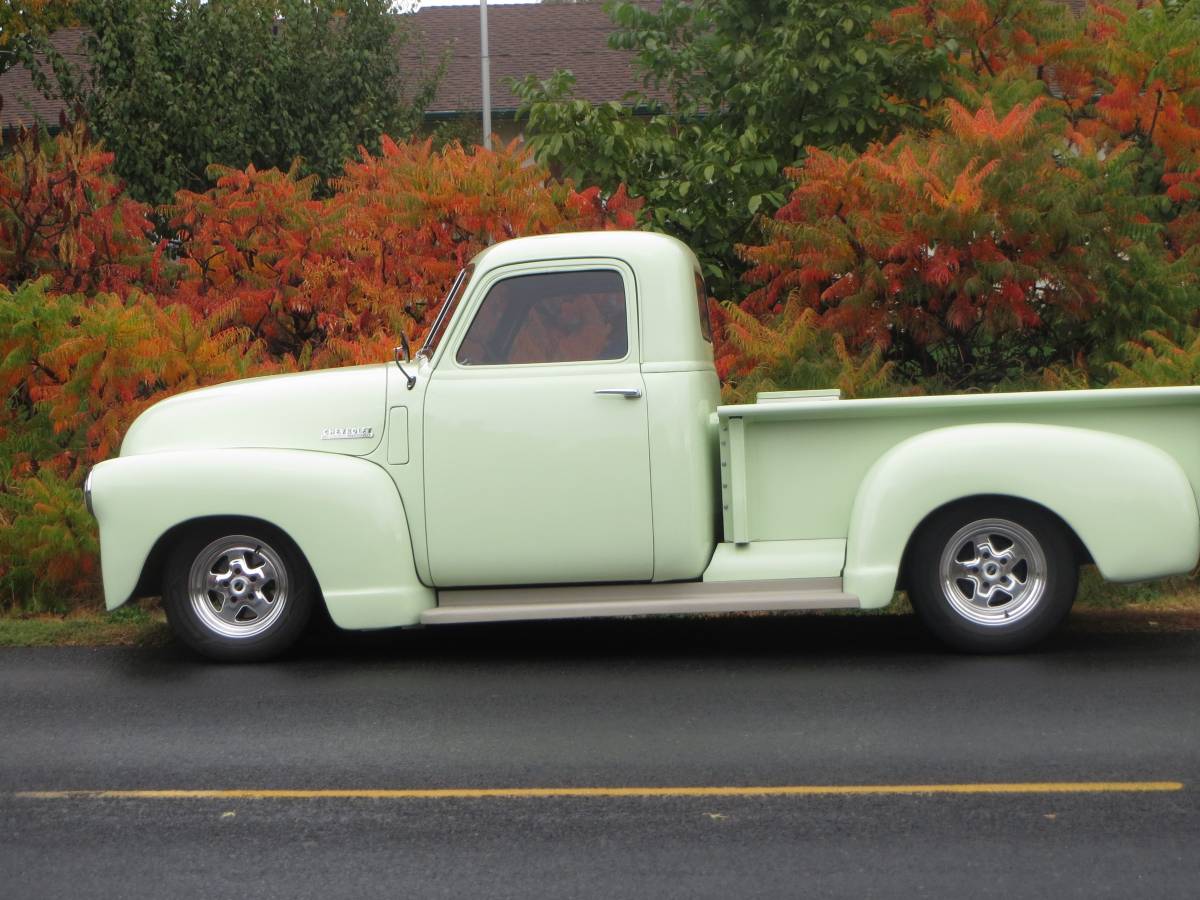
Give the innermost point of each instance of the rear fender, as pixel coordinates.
(344, 514)
(1128, 502)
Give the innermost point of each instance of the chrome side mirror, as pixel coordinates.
(401, 355)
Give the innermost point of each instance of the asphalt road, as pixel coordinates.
(804, 701)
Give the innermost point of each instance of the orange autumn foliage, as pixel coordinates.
(99, 320)
(334, 281)
(929, 239)
(1043, 214)
(64, 214)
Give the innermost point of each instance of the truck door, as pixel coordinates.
(536, 438)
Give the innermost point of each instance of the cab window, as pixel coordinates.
(702, 302)
(551, 317)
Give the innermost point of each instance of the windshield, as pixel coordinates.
(447, 311)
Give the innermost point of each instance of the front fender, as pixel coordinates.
(344, 513)
(1130, 503)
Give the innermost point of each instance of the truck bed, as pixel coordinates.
(791, 464)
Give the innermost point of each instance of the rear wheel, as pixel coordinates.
(992, 575)
(242, 594)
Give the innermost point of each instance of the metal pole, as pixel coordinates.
(485, 66)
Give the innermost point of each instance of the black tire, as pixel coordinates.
(261, 598)
(1007, 598)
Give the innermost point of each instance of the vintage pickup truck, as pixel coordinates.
(557, 449)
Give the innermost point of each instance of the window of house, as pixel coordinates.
(551, 317)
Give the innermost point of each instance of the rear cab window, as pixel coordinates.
(702, 303)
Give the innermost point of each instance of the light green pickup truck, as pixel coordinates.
(556, 449)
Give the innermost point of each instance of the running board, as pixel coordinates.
(601, 601)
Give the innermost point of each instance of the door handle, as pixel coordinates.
(627, 393)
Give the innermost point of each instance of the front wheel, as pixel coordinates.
(237, 595)
(992, 575)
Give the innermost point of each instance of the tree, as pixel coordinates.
(983, 39)
(336, 280)
(24, 26)
(735, 89)
(175, 87)
(1157, 361)
(63, 213)
(976, 251)
(1140, 82)
(98, 321)
(75, 371)
(793, 352)
(1046, 215)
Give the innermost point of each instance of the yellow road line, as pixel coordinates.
(794, 790)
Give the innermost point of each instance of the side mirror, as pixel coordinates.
(401, 355)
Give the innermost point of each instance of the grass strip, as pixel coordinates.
(132, 627)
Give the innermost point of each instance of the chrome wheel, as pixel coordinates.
(238, 586)
(993, 572)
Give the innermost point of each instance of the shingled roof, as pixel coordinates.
(523, 40)
(534, 39)
(23, 103)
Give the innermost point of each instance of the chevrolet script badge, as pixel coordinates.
(351, 433)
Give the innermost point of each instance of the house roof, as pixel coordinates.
(524, 39)
(533, 39)
(23, 103)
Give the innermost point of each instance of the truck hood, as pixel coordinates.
(335, 411)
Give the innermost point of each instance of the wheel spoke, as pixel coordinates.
(987, 549)
(967, 570)
(986, 593)
(259, 603)
(231, 608)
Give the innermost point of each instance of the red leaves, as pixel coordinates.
(982, 125)
(266, 275)
(63, 214)
(595, 211)
(942, 266)
(1183, 187)
(925, 237)
(1123, 107)
(981, 37)
(315, 279)
(998, 219)
(247, 246)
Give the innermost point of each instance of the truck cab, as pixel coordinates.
(563, 408)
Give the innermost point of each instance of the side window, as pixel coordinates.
(552, 317)
(702, 300)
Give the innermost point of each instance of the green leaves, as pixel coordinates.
(1157, 361)
(997, 245)
(178, 86)
(747, 84)
(791, 351)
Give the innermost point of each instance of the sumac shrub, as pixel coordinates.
(100, 318)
